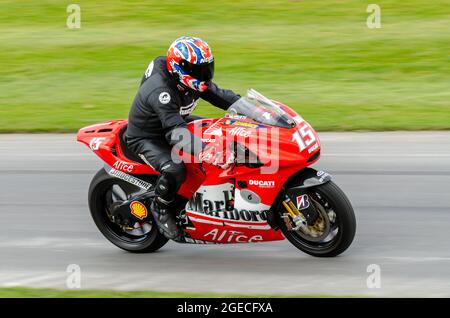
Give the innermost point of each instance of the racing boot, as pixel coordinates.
(165, 220)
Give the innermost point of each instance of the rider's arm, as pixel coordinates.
(176, 133)
(222, 98)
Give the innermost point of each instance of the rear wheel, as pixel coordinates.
(105, 191)
(333, 231)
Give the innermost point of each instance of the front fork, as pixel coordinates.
(306, 214)
(298, 220)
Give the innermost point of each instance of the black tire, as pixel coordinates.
(150, 242)
(345, 221)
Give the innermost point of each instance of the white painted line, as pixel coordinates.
(6, 277)
(419, 259)
(34, 279)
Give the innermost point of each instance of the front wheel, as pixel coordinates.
(333, 231)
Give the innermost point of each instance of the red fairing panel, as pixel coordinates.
(216, 230)
(231, 205)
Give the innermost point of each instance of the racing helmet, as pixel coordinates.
(191, 61)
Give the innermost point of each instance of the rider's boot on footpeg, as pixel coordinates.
(165, 220)
(164, 196)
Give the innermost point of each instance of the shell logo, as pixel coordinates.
(138, 210)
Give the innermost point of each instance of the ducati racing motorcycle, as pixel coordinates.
(268, 192)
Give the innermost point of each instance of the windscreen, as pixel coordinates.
(259, 108)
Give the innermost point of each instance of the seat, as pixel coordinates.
(130, 155)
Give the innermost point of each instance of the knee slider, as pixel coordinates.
(168, 183)
(175, 171)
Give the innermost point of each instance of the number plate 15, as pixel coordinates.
(304, 137)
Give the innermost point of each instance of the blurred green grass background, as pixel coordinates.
(317, 56)
(22, 292)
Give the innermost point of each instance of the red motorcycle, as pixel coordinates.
(266, 193)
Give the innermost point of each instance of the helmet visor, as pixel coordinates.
(203, 72)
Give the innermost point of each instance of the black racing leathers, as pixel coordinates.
(158, 117)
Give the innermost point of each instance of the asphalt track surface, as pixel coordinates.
(399, 184)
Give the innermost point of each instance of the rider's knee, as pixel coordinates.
(176, 171)
(172, 176)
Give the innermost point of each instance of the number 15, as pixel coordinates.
(304, 137)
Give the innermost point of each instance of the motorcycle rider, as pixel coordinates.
(168, 93)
